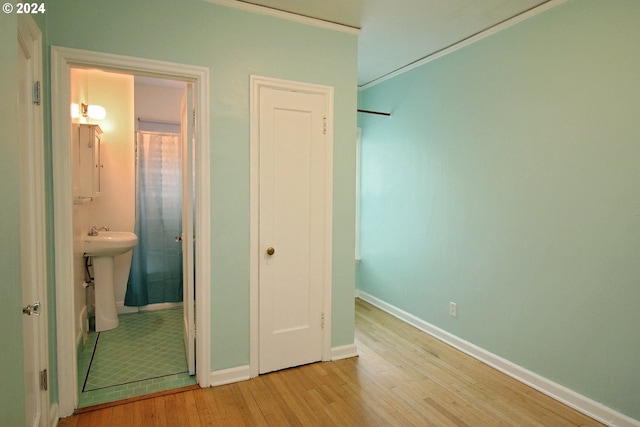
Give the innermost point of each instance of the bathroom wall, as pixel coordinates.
(115, 205)
(158, 99)
(79, 94)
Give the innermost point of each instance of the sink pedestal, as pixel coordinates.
(106, 311)
(102, 247)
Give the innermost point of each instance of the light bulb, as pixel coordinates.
(96, 112)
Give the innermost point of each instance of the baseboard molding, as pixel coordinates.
(231, 375)
(123, 309)
(80, 343)
(160, 306)
(344, 352)
(554, 390)
(243, 373)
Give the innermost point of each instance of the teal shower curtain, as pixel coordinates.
(156, 266)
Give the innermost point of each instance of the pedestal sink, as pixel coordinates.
(102, 247)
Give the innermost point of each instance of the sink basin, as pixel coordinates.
(109, 243)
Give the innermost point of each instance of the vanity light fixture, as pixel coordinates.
(95, 112)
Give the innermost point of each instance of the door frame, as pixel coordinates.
(257, 83)
(62, 60)
(29, 34)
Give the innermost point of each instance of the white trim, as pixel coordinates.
(466, 42)
(256, 83)
(230, 375)
(63, 232)
(123, 309)
(344, 352)
(53, 415)
(62, 59)
(243, 373)
(289, 16)
(358, 189)
(552, 389)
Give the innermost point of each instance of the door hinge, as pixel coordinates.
(44, 380)
(324, 125)
(193, 119)
(322, 321)
(35, 96)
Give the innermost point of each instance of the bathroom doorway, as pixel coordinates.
(145, 146)
(69, 299)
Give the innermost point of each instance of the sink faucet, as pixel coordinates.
(94, 230)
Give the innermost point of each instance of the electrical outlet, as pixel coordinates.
(453, 309)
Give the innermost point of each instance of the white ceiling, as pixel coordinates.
(396, 33)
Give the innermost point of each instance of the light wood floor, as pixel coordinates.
(402, 377)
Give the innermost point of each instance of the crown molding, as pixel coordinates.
(467, 41)
(289, 16)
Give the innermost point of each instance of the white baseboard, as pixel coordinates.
(80, 342)
(554, 390)
(84, 325)
(123, 309)
(160, 306)
(344, 352)
(231, 375)
(243, 373)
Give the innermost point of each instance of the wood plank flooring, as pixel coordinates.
(402, 377)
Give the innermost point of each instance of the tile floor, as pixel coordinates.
(145, 354)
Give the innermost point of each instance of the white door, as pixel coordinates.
(32, 225)
(188, 228)
(291, 227)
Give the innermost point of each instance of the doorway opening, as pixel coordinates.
(69, 236)
(142, 146)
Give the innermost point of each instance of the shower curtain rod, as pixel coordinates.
(161, 122)
(374, 112)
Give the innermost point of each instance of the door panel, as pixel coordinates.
(32, 225)
(292, 222)
(188, 285)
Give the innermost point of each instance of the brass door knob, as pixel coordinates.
(270, 251)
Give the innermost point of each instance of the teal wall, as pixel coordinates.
(11, 363)
(508, 181)
(234, 44)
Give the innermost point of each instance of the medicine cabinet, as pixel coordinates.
(89, 162)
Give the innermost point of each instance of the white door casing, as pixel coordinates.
(188, 308)
(32, 224)
(62, 60)
(291, 213)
